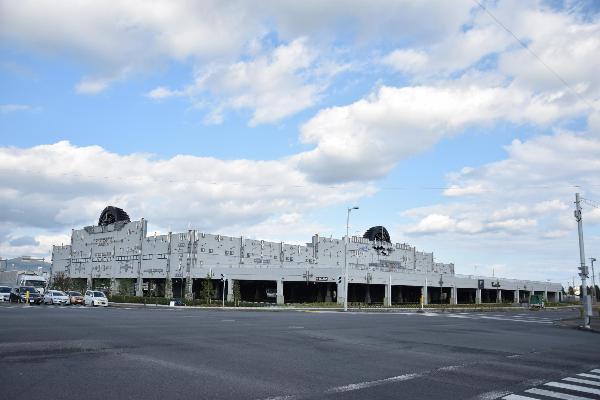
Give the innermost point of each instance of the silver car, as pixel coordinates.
(5, 293)
(56, 297)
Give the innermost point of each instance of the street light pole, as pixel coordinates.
(346, 257)
(223, 279)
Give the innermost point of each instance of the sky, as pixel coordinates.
(464, 127)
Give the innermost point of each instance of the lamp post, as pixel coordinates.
(594, 298)
(346, 258)
(223, 279)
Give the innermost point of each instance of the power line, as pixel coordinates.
(533, 53)
(591, 203)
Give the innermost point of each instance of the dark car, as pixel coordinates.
(19, 295)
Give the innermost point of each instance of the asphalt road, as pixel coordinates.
(54, 352)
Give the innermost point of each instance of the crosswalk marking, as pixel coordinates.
(575, 388)
(589, 376)
(584, 381)
(556, 390)
(556, 395)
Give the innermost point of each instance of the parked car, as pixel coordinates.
(75, 297)
(95, 298)
(56, 297)
(19, 295)
(5, 293)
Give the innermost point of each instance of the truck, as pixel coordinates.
(24, 278)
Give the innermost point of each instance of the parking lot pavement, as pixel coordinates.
(101, 353)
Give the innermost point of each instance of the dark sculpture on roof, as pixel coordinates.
(112, 214)
(377, 233)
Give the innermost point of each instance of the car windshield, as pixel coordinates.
(28, 289)
(99, 294)
(57, 293)
(35, 283)
(4, 290)
(75, 293)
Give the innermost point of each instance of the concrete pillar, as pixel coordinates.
(478, 296)
(517, 296)
(400, 295)
(168, 288)
(114, 286)
(139, 289)
(89, 283)
(339, 290)
(425, 295)
(387, 300)
(454, 295)
(499, 296)
(229, 290)
(368, 295)
(280, 298)
(328, 297)
(189, 294)
(546, 295)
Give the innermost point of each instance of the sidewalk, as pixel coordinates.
(576, 323)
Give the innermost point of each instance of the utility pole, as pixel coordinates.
(594, 298)
(587, 307)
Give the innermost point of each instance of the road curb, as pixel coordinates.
(353, 309)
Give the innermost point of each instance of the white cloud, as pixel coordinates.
(92, 85)
(273, 86)
(140, 36)
(59, 186)
(365, 140)
(525, 217)
(163, 92)
(10, 108)
(407, 60)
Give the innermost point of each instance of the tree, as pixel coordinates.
(207, 290)
(125, 287)
(237, 293)
(571, 290)
(61, 281)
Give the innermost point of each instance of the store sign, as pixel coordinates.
(321, 278)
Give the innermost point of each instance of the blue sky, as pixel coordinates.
(269, 119)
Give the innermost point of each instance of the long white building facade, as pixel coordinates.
(118, 250)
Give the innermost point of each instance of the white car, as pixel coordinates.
(95, 298)
(5, 293)
(56, 297)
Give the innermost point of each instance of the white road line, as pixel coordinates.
(575, 388)
(589, 376)
(492, 395)
(584, 381)
(368, 384)
(556, 395)
(595, 371)
(517, 397)
(518, 320)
